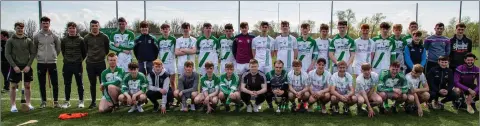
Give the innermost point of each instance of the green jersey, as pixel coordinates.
(342, 47)
(384, 49)
(112, 78)
(208, 49)
(133, 85)
(226, 48)
(166, 46)
(125, 40)
(307, 51)
(210, 86)
(229, 85)
(387, 82)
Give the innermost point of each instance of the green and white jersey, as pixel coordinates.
(366, 84)
(109, 77)
(363, 52)
(210, 85)
(208, 49)
(408, 38)
(228, 86)
(125, 41)
(342, 84)
(226, 44)
(342, 47)
(133, 85)
(384, 52)
(298, 82)
(166, 46)
(307, 51)
(319, 82)
(414, 83)
(285, 46)
(399, 49)
(322, 46)
(185, 43)
(387, 82)
(263, 48)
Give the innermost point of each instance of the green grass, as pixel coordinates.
(49, 116)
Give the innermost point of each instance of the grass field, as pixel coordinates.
(49, 115)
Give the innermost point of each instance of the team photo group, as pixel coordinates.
(392, 72)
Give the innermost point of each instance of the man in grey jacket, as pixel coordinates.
(187, 86)
(436, 46)
(47, 46)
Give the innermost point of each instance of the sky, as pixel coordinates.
(222, 12)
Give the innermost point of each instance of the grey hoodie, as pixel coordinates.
(47, 46)
(20, 51)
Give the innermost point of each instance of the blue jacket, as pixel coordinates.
(415, 54)
(145, 48)
(437, 46)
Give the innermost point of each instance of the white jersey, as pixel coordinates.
(366, 84)
(319, 82)
(307, 51)
(414, 83)
(322, 46)
(285, 46)
(384, 51)
(208, 49)
(342, 84)
(298, 82)
(263, 47)
(226, 49)
(362, 54)
(185, 43)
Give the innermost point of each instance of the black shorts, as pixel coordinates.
(17, 77)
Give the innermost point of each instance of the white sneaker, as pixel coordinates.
(255, 107)
(14, 109)
(30, 107)
(139, 108)
(80, 104)
(183, 108)
(259, 107)
(278, 109)
(249, 108)
(192, 107)
(133, 108)
(66, 105)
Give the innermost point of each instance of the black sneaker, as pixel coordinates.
(474, 107)
(227, 108)
(346, 110)
(394, 109)
(334, 109)
(92, 105)
(237, 107)
(430, 106)
(155, 108)
(293, 108)
(270, 105)
(441, 106)
(381, 109)
(409, 109)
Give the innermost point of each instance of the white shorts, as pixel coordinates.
(241, 68)
(222, 65)
(123, 60)
(357, 69)
(170, 68)
(263, 68)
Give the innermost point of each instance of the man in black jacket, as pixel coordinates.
(440, 81)
(460, 45)
(145, 49)
(5, 66)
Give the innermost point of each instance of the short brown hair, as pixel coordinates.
(208, 64)
(366, 66)
(385, 25)
(297, 63)
(157, 62)
(206, 24)
(397, 27)
(19, 24)
(342, 63)
(417, 68)
(443, 58)
(439, 24)
(45, 19)
(111, 55)
(188, 63)
(417, 33)
(253, 61)
(305, 25)
(229, 65)
(163, 26)
(395, 64)
(244, 25)
(323, 27)
(121, 19)
(278, 61)
(144, 24)
(71, 24)
(133, 65)
(322, 60)
(263, 23)
(413, 23)
(461, 25)
(185, 25)
(342, 22)
(285, 23)
(228, 26)
(365, 26)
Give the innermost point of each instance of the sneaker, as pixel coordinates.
(270, 105)
(44, 104)
(470, 109)
(14, 109)
(192, 107)
(56, 104)
(92, 105)
(80, 104)
(256, 107)
(394, 109)
(335, 109)
(259, 107)
(227, 108)
(409, 109)
(66, 104)
(324, 110)
(133, 108)
(441, 106)
(278, 109)
(30, 107)
(183, 108)
(318, 108)
(237, 107)
(474, 107)
(381, 109)
(249, 108)
(346, 110)
(139, 108)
